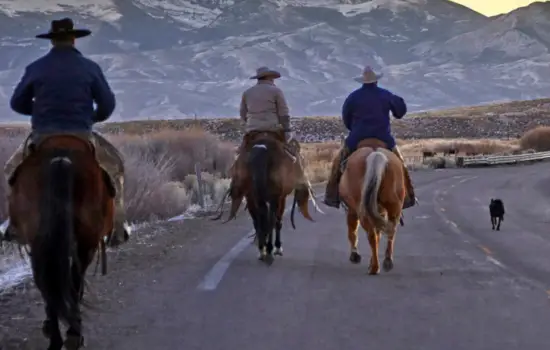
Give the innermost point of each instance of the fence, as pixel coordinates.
(498, 160)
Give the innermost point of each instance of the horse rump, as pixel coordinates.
(376, 163)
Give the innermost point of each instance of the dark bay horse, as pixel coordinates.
(373, 190)
(62, 206)
(271, 174)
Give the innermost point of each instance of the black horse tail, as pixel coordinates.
(258, 164)
(52, 249)
(258, 167)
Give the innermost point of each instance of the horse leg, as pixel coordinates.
(390, 234)
(50, 329)
(260, 233)
(353, 225)
(75, 340)
(374, 237)
(271, 223)
(279, 227)
(499, 221)
(493, 222)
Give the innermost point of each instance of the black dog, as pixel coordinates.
(496, 208)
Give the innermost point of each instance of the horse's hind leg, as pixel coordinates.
(374, 237)
(390, 234)
(498, 224)
(493, 222)
(260, 234)
(75, 340)
(353, 225)
(50, 329)
(279, 227)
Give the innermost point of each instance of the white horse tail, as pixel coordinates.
(376, 167)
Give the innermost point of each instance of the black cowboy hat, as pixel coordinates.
(62, 28)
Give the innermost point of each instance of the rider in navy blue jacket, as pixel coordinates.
(58, 91)
(366, 114)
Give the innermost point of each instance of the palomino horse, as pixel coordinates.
(62, 183)
(373, 190)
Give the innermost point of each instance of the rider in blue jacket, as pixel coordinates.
(58, 92)
(366, 114)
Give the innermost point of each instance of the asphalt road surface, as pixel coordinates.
(456, 283)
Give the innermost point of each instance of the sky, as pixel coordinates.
(494, 7)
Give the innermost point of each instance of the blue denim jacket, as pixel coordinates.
(58, 91)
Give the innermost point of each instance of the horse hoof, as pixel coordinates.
(388, 264)
(355, 258)
(74, 342)
(374, 271)
(268, 259)
(278, 251)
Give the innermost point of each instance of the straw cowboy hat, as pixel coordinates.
(263, 72)
(369, 76)
(62, 28)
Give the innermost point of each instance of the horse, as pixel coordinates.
(372, 189)
(62, 182)
(270, 175)
(496, 210)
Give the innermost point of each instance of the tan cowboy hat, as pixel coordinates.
(369, 76)
(263, 72)
(62, 28)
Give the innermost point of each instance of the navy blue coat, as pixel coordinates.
(59, 90)
(366, 114)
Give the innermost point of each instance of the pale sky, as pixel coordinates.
(494, 7)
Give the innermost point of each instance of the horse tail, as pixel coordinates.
(258, 164)
(376, 163)
(51, 250)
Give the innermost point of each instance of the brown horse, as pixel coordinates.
(269, 177)
(373, 190)
(62, 205)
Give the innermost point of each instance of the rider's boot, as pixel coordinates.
(121, 229)
(410, 199)
(332, 197)
(302, 188)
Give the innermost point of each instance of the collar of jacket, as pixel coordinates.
(369, 85)
(268, 82)
(63, 49)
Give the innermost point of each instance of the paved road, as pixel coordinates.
(456, 284)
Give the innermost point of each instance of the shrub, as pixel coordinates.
(537, 139)
(156, 167)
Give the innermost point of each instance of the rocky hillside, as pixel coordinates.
(180, 58)
(500, 121)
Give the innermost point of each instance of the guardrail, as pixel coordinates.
(496, 160)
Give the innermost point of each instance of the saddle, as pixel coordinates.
(369, 142)
(252, 136)
(33, 142)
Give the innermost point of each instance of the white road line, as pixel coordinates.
(213, 278)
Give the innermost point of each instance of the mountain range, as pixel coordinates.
(186, 58)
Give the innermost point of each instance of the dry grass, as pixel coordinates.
(461, 146)
(537, 139)
(160, 170)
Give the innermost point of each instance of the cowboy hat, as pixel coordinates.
(368, 76)
(263, 72)
(62, 28)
